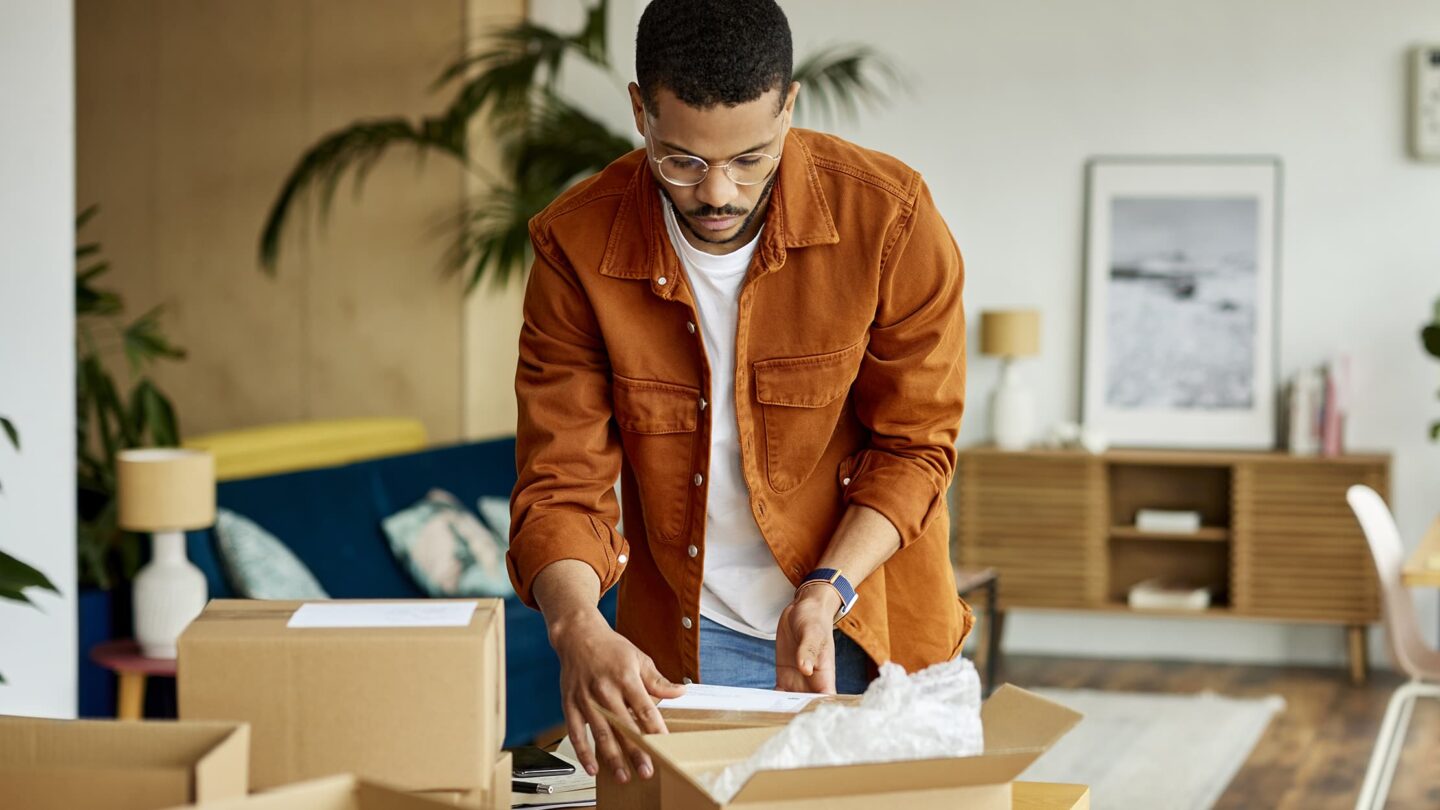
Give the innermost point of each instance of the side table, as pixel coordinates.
(967, 582)
(122, 657)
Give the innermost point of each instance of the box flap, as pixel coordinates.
(224, 771)
(28, 741)
(343, 792)
(1015, 719)
(882, 777)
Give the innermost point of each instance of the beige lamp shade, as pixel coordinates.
(1010, 332)
(166, 489)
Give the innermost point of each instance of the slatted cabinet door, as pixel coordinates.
(1298, 551)
(1038, 518)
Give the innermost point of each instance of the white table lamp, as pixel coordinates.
(166, 491)
(1011, 334)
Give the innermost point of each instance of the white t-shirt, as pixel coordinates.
(743, 588)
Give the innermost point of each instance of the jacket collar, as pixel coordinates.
(798, 217)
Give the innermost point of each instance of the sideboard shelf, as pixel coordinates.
(1277, 540)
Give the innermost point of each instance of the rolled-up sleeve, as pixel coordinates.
(910, 391)
(566, 451)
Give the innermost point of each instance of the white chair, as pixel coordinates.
(1408, 650)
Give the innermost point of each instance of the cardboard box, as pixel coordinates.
(495, 796)
(333, 793)
(1019, 727)
(79, 764)
(420, 708)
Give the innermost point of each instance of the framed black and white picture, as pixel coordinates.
(1181, 285)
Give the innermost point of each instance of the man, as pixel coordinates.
(759, 331)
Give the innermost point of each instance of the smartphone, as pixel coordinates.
(528, 762)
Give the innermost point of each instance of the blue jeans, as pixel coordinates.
(728, 658)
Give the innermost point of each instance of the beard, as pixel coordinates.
(725, 211)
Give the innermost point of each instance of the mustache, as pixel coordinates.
(708, 212)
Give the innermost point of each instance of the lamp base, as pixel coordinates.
(1012, 410)
(169, 593)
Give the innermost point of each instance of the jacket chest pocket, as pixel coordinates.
(801, 401)
(657, 424)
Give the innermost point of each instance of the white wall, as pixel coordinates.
(37, 243)
(1008, 101)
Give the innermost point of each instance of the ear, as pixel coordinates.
(637, 107)
(790, 96)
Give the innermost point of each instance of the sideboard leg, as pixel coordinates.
(1359, 657)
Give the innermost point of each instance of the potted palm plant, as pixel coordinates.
(117, 406)
(547, 142)
(17, 577)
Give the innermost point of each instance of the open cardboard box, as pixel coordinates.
(420, 708)
(79, 764)
(332, 793)
(1019, 727)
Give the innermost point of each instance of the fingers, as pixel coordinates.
(614, 702)
(642, 705)
(822, 678)
(815, 643)
(657, 684)
(648, 716)
(575, 726)
(607, 743)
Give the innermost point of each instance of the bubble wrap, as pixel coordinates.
(933, 713)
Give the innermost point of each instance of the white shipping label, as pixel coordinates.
(383, 614)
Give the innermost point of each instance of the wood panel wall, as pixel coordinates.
(189, 115)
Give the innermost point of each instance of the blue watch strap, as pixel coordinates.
(837, 580)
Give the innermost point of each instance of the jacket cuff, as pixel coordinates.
(907, 494)
(556, 536)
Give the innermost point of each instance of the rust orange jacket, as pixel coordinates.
(849, 388)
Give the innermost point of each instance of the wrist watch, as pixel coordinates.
(836, 580)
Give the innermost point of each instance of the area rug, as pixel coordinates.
(1150, 751)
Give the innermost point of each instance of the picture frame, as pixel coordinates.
(1182, 282)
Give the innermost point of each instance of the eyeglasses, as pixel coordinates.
(749, 169)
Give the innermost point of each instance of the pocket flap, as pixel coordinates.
(807, 382)
(650, 407)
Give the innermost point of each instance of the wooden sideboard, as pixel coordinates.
(1278, 542)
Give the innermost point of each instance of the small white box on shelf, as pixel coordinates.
(1167, 521)
(1155, 594)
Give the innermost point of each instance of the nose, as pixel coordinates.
(717, 190)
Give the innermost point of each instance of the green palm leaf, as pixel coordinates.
(561, 145)
(16, 577)
(494, 236)
(357, 147)
(836, 81)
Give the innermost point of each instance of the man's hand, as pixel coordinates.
(599, 667)
(805, 642)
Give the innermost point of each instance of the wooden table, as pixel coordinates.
(1422, 570)
(1048, 796)
(123, 658)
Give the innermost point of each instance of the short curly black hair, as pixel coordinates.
(710, 52)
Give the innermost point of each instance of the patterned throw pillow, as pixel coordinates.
(446, 549)
(496, 514)
(258, 565)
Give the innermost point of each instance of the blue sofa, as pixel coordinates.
(331, 518)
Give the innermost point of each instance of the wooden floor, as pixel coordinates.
(1313, 756)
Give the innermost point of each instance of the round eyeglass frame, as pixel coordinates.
(725, 166)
